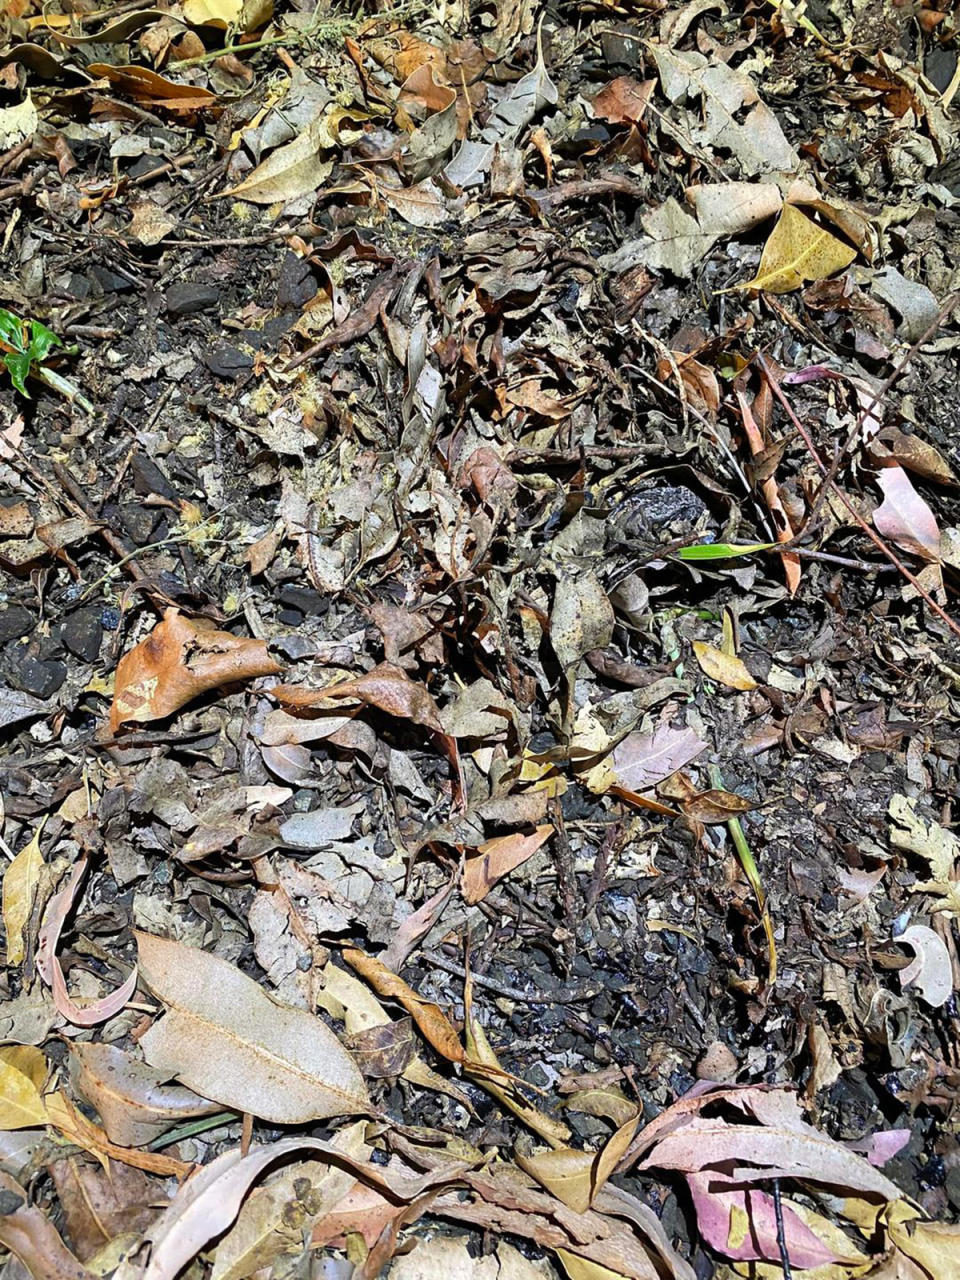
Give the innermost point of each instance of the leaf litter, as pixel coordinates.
(478, 642)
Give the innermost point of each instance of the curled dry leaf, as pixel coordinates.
(135, 1103)
(178, 661)
(429, 1017)
(388, 688)
(207, 1204)
(930, 970)
(49, 968)
(227, 1039)
(63, 1115)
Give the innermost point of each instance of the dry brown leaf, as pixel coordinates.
(798, 250)
(144, 85)
(623, 100)
(388, 688)
(497, 858)
(771, 495)
(178, 661)
(582, 618)
(227, 1039)
(429, 1017)
(63, 1115)
(99, 1206)
(135, 1103)
(723, 667)
(715, 806)
(29, 1233)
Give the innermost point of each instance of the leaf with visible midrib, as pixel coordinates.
(798, 250)
(225, 1038)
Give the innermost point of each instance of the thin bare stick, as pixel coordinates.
(874, 537)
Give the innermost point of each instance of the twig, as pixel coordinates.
(563, 995)
(874, 537)
(781, 1232)
(875, 399)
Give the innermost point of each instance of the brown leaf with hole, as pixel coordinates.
(177, 662)
(497, 858)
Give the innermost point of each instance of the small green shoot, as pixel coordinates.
(723, 550)
(26, 345)
(752, 872)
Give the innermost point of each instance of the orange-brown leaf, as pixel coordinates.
(497, 858)
(429, 1017)
(176, 663)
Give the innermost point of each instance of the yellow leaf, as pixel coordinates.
(245, 15)
(19, 887)
(28, 1060)
(723, 667)
(798, 250)
(21, 1106)
(578, 1268)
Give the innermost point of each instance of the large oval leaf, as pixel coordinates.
(225, 1038)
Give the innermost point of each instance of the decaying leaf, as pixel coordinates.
(225, 1038)
(178, 661)
(931, 970)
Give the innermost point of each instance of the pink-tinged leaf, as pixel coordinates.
(757, 1153)
(415, 927)
(724, 1212)
(48, 965)
(882, 1146)
(904, 517)
(644, 759)
(812, 373)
